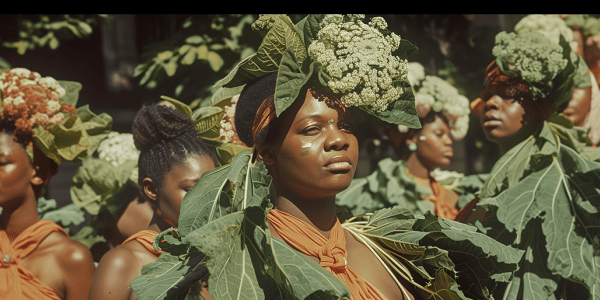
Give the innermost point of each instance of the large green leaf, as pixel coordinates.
(554, 218)
(290, 80)
(224, 190)
(281, 36)
(96, 183)
(72, 89)
(430, 243)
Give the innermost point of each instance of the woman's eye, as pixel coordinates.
(346, 127)
(311, 130)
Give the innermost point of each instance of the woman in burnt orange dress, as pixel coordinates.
(40, 128)
(171, 161)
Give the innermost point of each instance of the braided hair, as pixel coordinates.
(165, 138)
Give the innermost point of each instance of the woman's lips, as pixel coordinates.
(490, 121)
(339, 163)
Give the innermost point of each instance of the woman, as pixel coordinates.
(171, 161)
(267, 222)
(415, 181)
(533, 198)
(584, 106)
(39, 129)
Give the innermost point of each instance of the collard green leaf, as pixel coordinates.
(160, 279)
(96, 182)
(549, 205)
(290, 80)
(224, 190)
(309, 27)
(180, 106)
(72, 89)
(431, 243)
(266, 60)
(87, 236)
(207, 121)
(232, 272)
(402, 111)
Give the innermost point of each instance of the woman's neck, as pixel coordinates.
(319, 213)
(16, 220)
(417, 168)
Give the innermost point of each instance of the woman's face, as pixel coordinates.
(434, 144)
(316, 152)
(178, 181)
(504, 118)
(579, 105)
(17, 174)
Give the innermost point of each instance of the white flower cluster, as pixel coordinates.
(357, 59)
(117, 148)
(531, 53)
(432, 92)
(439, 174)
(19, 84)
(228, 134)
(551, 26)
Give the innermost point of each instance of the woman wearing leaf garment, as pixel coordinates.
(415, 180)
(40, 128)
(171, 161)
(534, 197)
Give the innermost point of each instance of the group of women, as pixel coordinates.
(282, 215)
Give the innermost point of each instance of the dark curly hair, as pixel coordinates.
(165, 137)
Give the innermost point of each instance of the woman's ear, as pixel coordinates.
(37, 179)
(150, 189)
(411, 137)
(264, 154)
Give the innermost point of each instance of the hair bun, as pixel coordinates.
(155, 123)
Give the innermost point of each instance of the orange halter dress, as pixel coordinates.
(15, 281)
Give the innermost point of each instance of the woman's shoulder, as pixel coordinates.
(68, 252)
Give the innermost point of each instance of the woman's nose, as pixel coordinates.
(493, 102)
(336, 140)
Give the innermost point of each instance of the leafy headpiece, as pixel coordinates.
(435, 93)
(547, 68)
(42, 109)
(363, 63)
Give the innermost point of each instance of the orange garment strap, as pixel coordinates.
(442, 208)
(15, 281)
(145, 237)
(330, 252)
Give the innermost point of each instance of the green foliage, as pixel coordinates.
(187, 65)
(64, 216)
(388, 186)
(542, 197)
(51, 30)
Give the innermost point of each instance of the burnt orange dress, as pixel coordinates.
(145, 237)
(15, 281)
(330, 252)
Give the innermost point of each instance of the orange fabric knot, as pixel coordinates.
(330, 252)
(442, 208)
(15, 281)
(333, 256)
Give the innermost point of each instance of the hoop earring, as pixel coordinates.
(412, 147)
